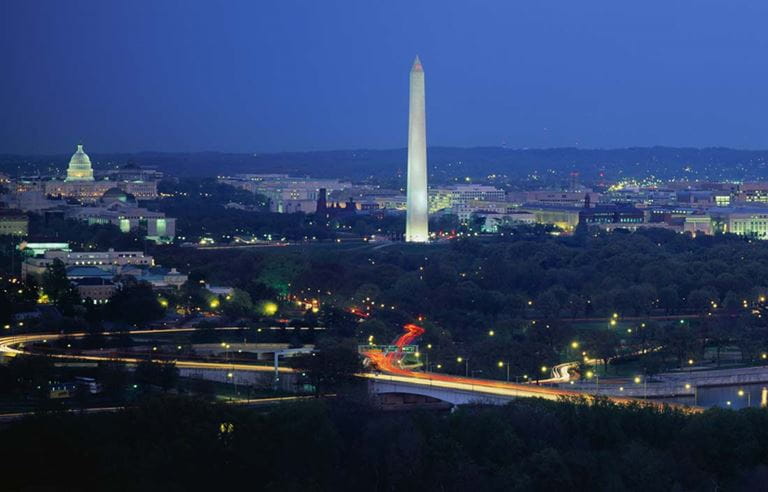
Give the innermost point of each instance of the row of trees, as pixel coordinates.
(530, 445)
(469, 288)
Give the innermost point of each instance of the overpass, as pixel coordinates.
(398, 379)
(455, 393)
(393, 378)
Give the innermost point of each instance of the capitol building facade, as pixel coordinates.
(81, 184)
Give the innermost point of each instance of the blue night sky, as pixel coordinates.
(278, 75)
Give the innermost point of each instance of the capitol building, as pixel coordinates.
(81, 184)
(79, 168)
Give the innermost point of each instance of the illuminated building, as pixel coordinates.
(746, 222)
(704, 197)
(565, 218)
(13, 223)
(611, 214)
(119, 208)
(79, 168)
(445, 197)
(698, 224)
(553, 198)
(111, 261)
(32, 249)
(417, 208)
(97, 290)
(286, 194)
(81, 185)
(492, 221)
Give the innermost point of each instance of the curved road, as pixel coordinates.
(10, 346)
(390, 363)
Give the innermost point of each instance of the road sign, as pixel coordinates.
(408, 349)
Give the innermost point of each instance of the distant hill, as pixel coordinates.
(446, 163)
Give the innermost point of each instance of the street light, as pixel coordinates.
(645, 385)
(590, 375)
(741, 393)
(695, 392)
(501, 364)
(466, 364)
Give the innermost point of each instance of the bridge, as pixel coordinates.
(455, 393)
(393, 378)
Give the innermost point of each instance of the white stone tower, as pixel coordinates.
(417, 206)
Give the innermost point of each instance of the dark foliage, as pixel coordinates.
(174, 444)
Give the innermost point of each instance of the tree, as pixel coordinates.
(135, 303)
(603, 345)
(338, 321)
(162, 374)
(238, 304)
(332, 366)
(669, 299)
(113, 378)
(59, 289)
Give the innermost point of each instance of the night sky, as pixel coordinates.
(258, 75)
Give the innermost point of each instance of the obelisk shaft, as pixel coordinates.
(417, 206)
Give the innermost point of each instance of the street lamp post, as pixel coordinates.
(590, 374)
(645, 385)
(597, 385)
(695, 393)
(645, 388)
(501, 364)
(466, 364)
(742, 393)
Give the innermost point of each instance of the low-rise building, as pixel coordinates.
(698, 224)
(95, 289)
(565, 218)
(110, 261)
(158, 277)
(119, 208)
(286, 194)
(554, 198)
(13, 223)
(493, 221)
(611, 214)
(446, 197)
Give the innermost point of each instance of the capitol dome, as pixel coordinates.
(79, 166)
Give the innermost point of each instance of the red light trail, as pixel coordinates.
(391, 362)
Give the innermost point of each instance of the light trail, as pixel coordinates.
(391, 363)
(7, 417)
(8, 346)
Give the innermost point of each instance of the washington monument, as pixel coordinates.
(417, 208)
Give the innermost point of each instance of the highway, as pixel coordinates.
(389, 363)
(13, 345)
(9, 417)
